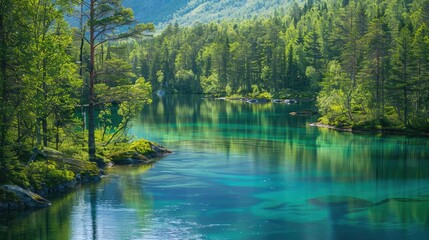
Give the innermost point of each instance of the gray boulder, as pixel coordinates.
(30, 199)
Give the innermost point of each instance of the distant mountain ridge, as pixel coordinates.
(189, 12)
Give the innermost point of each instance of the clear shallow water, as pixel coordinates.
(242, 171)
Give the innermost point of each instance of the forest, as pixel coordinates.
(365, 63)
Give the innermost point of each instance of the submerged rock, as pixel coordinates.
(22, 199)
(303, 113)
(340, 202)
(340, 206)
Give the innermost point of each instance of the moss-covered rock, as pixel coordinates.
(128, 157)
(140, 151)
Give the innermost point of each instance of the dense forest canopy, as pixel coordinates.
(365, 62)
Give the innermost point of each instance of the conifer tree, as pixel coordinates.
(104, 18)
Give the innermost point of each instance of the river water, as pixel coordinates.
(246, 171)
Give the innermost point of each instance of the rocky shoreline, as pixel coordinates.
(16, 198)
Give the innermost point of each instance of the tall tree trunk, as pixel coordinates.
(378, 87)
(405, 105)
(44, 117)
(3, 82)
(57, 137)
(45, 132)
(91, 117)
(383, 98)
(82, 41)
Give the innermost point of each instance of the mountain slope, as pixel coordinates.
(188, 12)
(155, 11)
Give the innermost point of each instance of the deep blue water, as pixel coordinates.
(246, 171)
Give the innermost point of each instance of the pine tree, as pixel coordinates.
(401, 83)
(104, 18)
(377, 53)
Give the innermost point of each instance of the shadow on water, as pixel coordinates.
(404, 210)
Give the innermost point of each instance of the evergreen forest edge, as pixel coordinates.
(366, 63)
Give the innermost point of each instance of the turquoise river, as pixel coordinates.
(246, 171)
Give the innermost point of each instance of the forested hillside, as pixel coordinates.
(189, 12)
(366, 61)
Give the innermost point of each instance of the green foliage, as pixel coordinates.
(105, 120)
(138, 95)
(116, 72)
(210, 85)
(38, 81)
(255, 90)
(265, 95)
(186, 81)
(337, 99)
(49, 174)
(419, 123)
(160, 77)
(142, 146)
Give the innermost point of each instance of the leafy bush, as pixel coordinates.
(47, 174)
(141, 146)
(11, 171)
(265, 95)
(255, 90)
